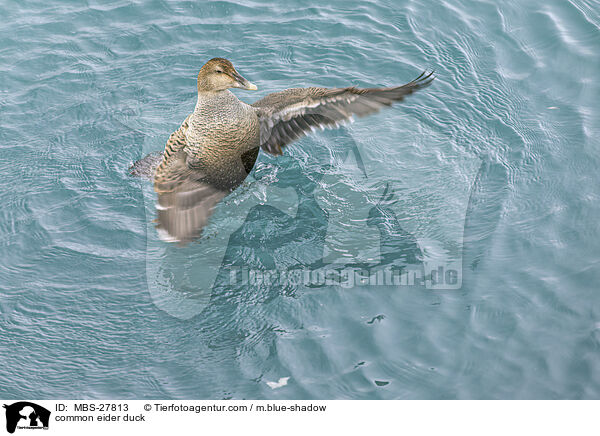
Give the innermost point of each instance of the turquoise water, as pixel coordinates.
(490, 174)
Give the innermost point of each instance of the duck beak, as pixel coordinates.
(251, 86)
(243, 83)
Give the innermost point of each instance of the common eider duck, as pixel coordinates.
(216, 146)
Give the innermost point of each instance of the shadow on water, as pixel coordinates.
(255, 271)
(241, 318)
(270, 239)
(396, 245)
(239, 324)
(273, 243)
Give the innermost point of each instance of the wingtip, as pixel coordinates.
(428, 78)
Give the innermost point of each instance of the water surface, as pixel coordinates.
(491, 171)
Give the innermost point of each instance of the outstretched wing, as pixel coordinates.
(288, 115)
(186, 200)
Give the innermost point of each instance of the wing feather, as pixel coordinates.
(186, 200)
(288, 115)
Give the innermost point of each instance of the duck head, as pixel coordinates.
(218, 74)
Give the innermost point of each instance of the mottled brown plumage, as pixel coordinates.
(216, 146)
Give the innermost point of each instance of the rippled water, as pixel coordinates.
(491, 171)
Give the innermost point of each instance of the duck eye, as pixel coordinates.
(219, 71)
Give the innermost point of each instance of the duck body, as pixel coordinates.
(216, 146)
(209, 156)
(222, 130)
